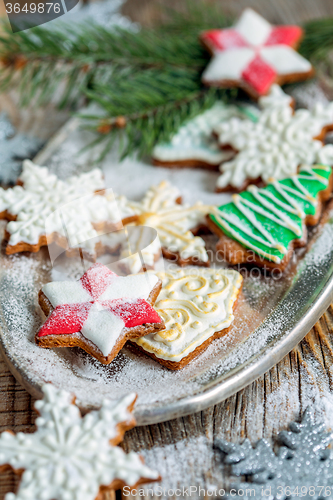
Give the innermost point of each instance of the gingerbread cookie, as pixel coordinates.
(194, 144)
(176, 225)
(70, 457)
(276, 145)
(100, 312)
(263, 226)
(43, 209)
(253, 55)
(197, 307)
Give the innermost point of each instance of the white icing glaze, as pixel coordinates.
(69, 457)
(47, 205)
(173, 222)
(194, 139)
(253, 32)
(275, 98)
(102, 327)
(253, 28)
(194, 304)
(277, 144)
(136, 253)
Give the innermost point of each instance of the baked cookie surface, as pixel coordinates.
(100, 312)
(254, 55)
(261, 226)
(196, 306)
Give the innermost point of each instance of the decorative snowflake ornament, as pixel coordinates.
(253, 55)
(14, 148)
(277, 144)
(100, 312)
(44, 209)
(71, 457)
(174, 223)
(302, 467)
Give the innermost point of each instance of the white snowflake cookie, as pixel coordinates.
(70, 457)
(194, 145)
(277, 144)
(44, 209)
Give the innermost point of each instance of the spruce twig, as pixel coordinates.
(145, 83)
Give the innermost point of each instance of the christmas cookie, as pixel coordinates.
(43, 209)
(175, 224)
(197, 307)
(254, 55)
(263, 226)
(100, 312)
(70, 457)
(276, 145)
(194, 144)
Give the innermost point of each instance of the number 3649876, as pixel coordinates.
(32, 8)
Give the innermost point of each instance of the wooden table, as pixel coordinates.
(182, 450)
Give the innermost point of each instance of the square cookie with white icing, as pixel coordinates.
(197, 307)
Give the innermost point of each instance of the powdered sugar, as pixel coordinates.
(21, 278)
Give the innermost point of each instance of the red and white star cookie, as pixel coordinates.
(253, 55)
(100, 312)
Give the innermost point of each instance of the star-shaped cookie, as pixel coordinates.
(254, 55)
(100, 312)
(70, 457)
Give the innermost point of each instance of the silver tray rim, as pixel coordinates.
(240, 377)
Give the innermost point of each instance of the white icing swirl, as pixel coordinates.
(194, 304)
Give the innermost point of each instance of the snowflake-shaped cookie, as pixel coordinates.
(45, 209)
(194, 144)
(100, 312)
(174, 223)
(70, 457)
(277, 144)
(253, 55)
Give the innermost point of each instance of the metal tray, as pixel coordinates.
(272, 316)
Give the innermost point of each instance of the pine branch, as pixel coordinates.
(145, 83)
(318, 40)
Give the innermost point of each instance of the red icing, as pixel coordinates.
(133, 313)
(259, 75)
(66, 318)
(285, 35)
(223, 39)
(69, 318)
(97, 279)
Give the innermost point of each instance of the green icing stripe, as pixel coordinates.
(266, 220)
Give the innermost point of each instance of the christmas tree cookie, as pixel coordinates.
(263, 226)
